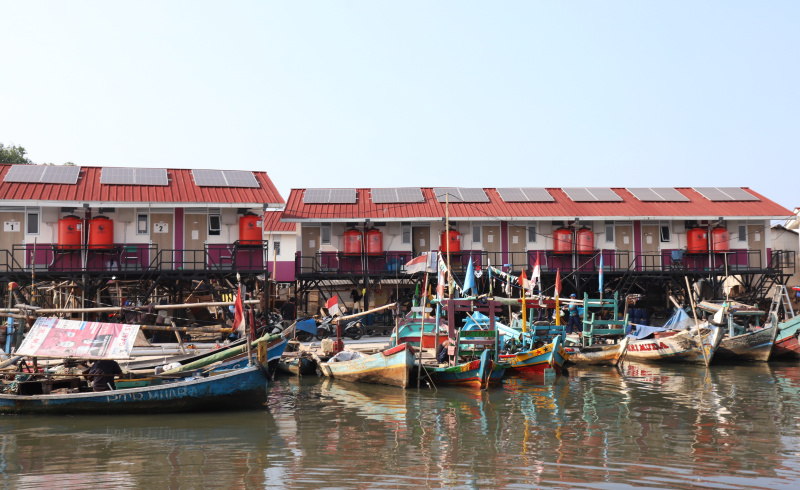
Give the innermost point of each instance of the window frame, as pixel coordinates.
(323, 229)
(742, 236)
(661, 228)
(405, 234)
(477, 230)
(211, 230)
(146, 215)
(28, 213)
(609, 232)
(531, 232)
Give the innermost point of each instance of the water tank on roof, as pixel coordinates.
(697, 241)
(451, 237)
(70, 233)
(585, 241)
(352, 242)
(250, 231)
(101, 233)
(374, 239)
(562, 241)
(720, 240)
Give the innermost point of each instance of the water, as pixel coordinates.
(731, 427)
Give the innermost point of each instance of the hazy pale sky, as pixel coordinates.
(412, 93)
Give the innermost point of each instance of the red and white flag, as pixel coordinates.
(238, 313)
(421, 263)
(536, 276)
(332, 305)
(558, 283)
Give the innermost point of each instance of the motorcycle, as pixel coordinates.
(353, 329)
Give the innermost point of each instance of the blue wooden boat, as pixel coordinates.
(483, 372)
(274, 353)
(244, 388)
(535, 361)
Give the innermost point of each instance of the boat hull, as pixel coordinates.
(534, 362)
(600, 355)
(467, 374)
(787, 345)
(297, 366)
(752, 346)
(391, 367)
(239, 389)
(685, 347)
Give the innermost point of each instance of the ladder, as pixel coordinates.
(780, 297)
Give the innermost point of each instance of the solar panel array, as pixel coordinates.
(330, 196)
(224, 178)
(726, 194)
(657, 194)
(134, 176)
(460, 194)
(524, 194)
(397, 195)
(591, 194)
(43, 174)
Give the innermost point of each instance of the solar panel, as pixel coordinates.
(713, 194)
(317, 196)
(657, 194)
(524, 194)
(738, 194)
(117, 176)
(343, 196)
(451, 194)
(208, 178)
(397, 195)
(579, 194)
(604, 194)
(240, 178)
(54, 174)
(460, 194)
(150, 176)
(24, 173)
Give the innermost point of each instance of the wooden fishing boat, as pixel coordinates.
(481, 372)
(274, 352)
(695, 346)
(597, 354)
(390, 367)
(535, 361)
(787, 345)
(297, 364)
(237, 389)
(750, 346)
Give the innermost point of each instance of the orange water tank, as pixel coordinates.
(250, 231)
(453, 238)
(562, 241)
(697, 241)
(720, 240)
(101, 233)
(70, 233)
(374, 239)
(352, 242)
(585, 241)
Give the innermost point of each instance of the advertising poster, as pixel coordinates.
(54, 337)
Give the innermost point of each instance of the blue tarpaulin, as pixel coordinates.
(643, 331)
(309, 326)
(679, 321)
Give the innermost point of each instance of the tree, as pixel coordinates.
(13, 154)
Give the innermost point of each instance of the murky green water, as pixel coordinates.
(641, 427)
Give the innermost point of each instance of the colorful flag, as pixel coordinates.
(308, 325)
(536, 276)
(469, 279)
(238, 313)
(600, 288)
(522, 280)
(421, 264)
(332, 305)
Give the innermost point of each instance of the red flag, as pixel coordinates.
(238, 315)
(522, 279)
(558, 283)
(536, 277)
(332, 305)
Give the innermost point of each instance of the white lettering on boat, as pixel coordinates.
(166, 394)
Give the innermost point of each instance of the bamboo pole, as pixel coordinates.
(356, 315)
(111, 309)
(422, 329)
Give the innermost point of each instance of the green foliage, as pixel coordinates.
(13, 154)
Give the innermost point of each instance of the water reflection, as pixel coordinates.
(602, 427)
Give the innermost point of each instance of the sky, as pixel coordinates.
(413, 93)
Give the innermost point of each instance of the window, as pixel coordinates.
(476, 233)
(32, 223)
(214, 225)
(276, 247)
(142, 224)
(609, 232)
(665, 233)
(325, 234)
(406, 233)
(532, 234)
(742, 233)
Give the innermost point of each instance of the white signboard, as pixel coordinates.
(161, 227)
(11, 226)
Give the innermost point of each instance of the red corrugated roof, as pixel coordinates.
(272, 222)
(181, 189)
(561, 207)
